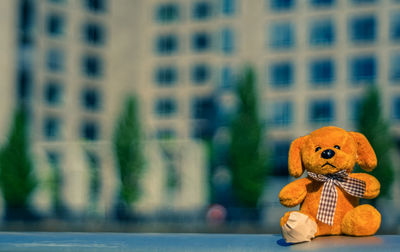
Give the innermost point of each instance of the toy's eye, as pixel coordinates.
(317, 149)
(336, 147)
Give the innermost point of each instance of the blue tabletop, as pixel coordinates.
(187, 242)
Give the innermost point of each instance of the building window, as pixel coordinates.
(54, 158)
(395, 27)
(281, 74)
(322, 111)
(165, 133)
(202, 10)
(200, 73)
(51, 129)
(396, 108)
(167, 44)
(228, 7)
(227, 77)
(227, 41)
(91, 99)
(201, 41)
(93, 160)
(24, 84)
(94, 33)
(322, 72)
(394, 68)
(53, 93)
(26, 15)
(281, 5)
(203, 108)
(166, 107)
(354, 108)
(92, 66)
(322, 3)
(363, 69)
(281, 114)
(167, 12)
(363, 1)
(90, 131)
(166, 76)
(55, 25)
(280, 158)
(281, 35)
(57, 1)
(202, 129)
(55, 60)
(322, 32)
(363, 29)
(95, 5)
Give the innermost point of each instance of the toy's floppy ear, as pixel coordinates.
(296, 168)
(366, 157)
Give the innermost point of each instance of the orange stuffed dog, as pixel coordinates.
(329, 196)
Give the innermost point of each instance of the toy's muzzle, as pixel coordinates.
(327, 154)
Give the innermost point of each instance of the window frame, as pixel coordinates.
(275, 68)
(204, 38)
(55, 60)
(318, 30)
(317, 119)
(209, 9)
(90, 27)
(280, 6)
(287, 32)
(323, 64)
(60, 23)
(163, 7)
(92, 65)
(357, 79)
(53, 122)
(90, 5)
(90, 125)
(364, 36)
(166, 107)
(57, 97)
(167, 44)
(281, 115)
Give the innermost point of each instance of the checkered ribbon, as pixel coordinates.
(327, 202)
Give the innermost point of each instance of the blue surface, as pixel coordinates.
(187, 242)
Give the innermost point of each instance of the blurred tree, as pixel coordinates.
(94, 182)
(371, 123)
(16, 171)
(129, 156)
(55, 185)
(247, 161)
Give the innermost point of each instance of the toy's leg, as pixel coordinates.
(298, 227)
(361, 221)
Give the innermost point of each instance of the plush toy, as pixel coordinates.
(329, 195)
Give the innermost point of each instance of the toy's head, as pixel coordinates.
(329, 150)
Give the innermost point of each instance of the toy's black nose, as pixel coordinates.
(327, 154)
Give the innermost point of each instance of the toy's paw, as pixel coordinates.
(294, 193)
(299, 228)
(372, 184)
(361, 221)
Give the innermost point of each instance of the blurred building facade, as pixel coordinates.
(313, 59)
(61, 75)
(74, 61)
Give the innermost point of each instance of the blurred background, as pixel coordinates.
(177, 115)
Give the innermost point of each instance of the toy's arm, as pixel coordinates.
(372, 185)
(294, 193)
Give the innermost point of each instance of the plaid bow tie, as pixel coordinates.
(328, 200)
